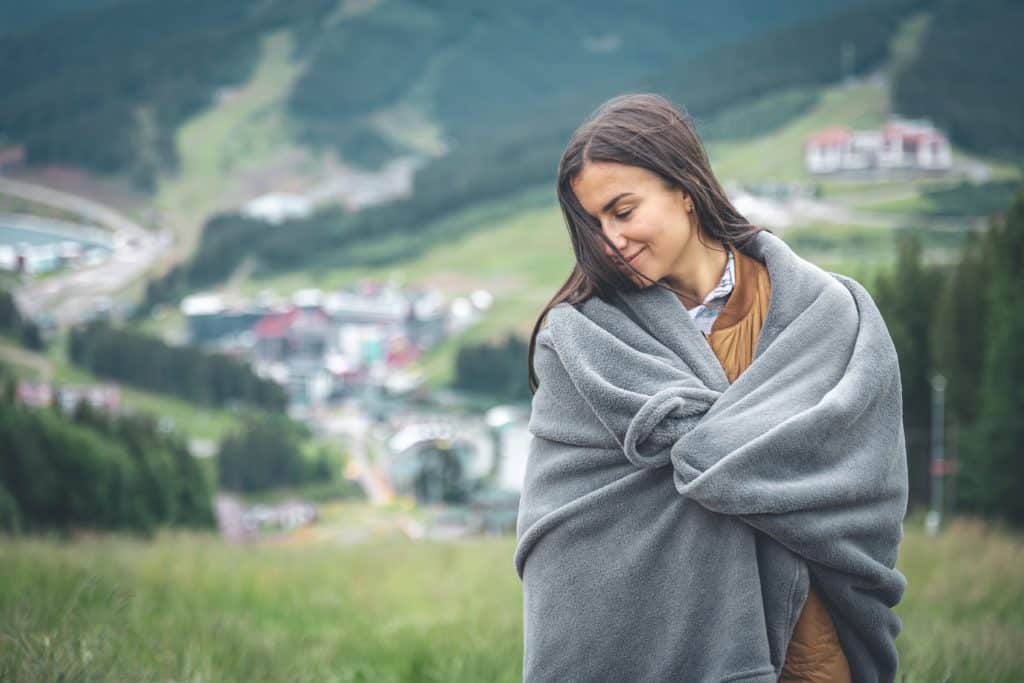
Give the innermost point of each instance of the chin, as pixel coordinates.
(640, 282)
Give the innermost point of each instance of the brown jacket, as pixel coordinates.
(814, 653)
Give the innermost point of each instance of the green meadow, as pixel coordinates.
(322, 607)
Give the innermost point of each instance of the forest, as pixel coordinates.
(91, 470)
(187, 372)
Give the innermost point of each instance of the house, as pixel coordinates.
(916, 143)
(826, 149)
(102, 397)
(210, 320)
(899, 144)
(295, 332)
(239, 521)
(278, 207)
(291, 348)
(34, 394)
(105, 398)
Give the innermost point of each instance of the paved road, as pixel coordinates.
(94, 211)
(73, 296)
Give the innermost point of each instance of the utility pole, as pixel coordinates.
(938, 464)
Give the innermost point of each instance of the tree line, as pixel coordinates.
(17, 327)
(93, 470)
(107, 88)
(493, 369)
(266, 452)
(152, 65)
(184, 371)
(964, 76)
(966, 322)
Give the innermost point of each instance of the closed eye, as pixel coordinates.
(624, 215)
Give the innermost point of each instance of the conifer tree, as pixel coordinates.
(906, 298)
(992, 463)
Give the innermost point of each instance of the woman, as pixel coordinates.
(717, 476)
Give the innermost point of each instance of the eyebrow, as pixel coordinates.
(614, 199)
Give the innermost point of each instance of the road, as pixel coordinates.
(802, 211)
(72, 296)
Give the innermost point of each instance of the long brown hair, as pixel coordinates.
(648, 131)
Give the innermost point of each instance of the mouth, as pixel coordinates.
(633, 258)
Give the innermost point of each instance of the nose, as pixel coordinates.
(615, 238)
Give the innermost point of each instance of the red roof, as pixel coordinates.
(833, 135)
(275, 325)
(911, 134)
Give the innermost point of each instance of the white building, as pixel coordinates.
(899, 144)
(278, 207)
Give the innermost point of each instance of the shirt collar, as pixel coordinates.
(716, 297)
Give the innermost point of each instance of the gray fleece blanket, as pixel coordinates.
(670, 522)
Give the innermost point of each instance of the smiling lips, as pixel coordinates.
(633, 257)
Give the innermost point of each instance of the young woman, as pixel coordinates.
(717, 476)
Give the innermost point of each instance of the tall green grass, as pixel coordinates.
(188, 607)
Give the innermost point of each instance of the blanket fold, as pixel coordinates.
(650, 474)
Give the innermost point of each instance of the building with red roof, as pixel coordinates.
(900, 144)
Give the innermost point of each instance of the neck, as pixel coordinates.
(699, 270)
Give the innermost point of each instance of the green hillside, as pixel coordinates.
(522, 155)
(20, 16)
(756, 88)
(53, 366)
(518, 247)
(113, 102)
(966, 75)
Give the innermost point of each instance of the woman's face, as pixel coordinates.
(640, 216)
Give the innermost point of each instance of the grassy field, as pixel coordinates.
(187, 607)
(963, 613)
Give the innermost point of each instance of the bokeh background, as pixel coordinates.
(268, 272)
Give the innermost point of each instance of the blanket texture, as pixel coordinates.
(670, 522)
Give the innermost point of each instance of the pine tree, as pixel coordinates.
(906, 298)
(992, 462)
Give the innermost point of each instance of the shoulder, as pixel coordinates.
(869, 317)
(566, 321)
(555, 322)
(858, 292)
(558, 409)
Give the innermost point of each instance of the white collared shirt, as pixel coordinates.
(704, 314)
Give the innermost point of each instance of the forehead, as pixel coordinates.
(600, 181)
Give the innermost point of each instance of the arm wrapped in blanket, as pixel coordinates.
(623, 579)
